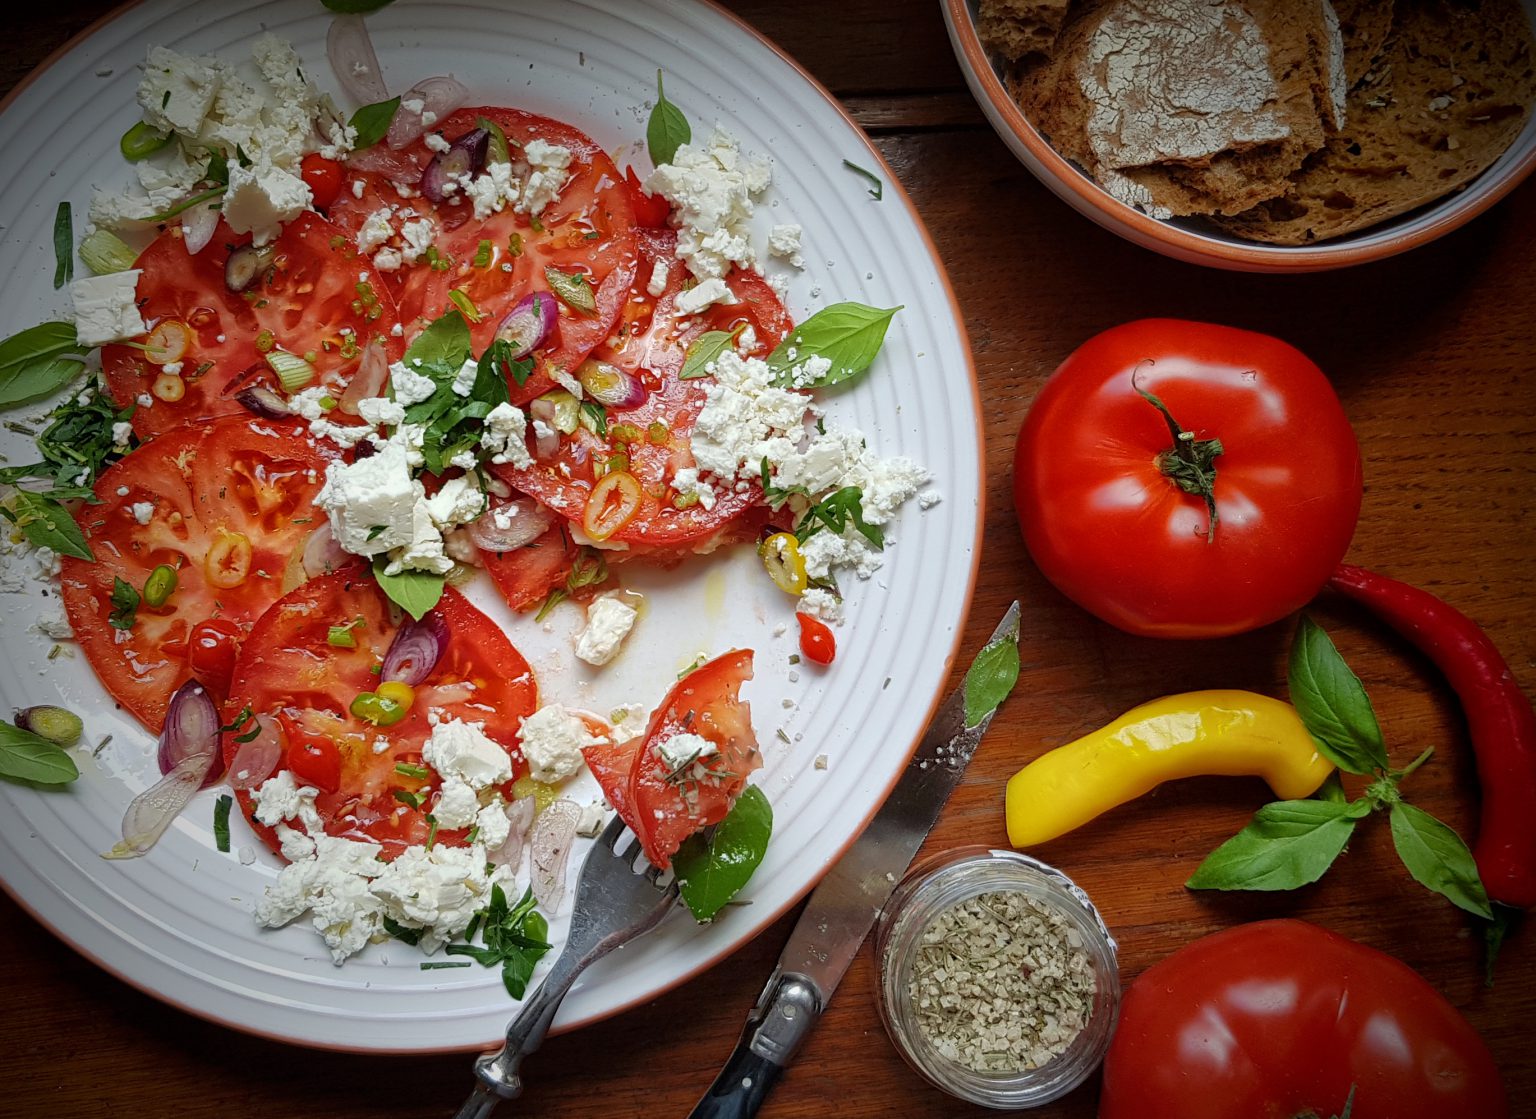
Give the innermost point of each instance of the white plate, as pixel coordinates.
(178, 922)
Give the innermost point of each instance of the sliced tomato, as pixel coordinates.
(589, 230)
(651, 344)
(664, 808)
(228, 503)
(323, 177)
(317, 298)
(651, 210)
(289, 669)
(526, 575)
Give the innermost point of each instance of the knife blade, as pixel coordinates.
(843, 908)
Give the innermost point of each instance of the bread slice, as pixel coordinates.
(1017, 29)
(1366, 24)
(1191, 106)
(1452, 92)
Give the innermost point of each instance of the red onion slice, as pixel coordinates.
(416, 649)
(256, 760)
(519, 819)
(350, 51)
(263, 401)
(368, 381)
(191, 730)
(438, 97)
(528, 324)
(197, 226)
(322, 553)
(510, 525)
(152, 811)
(553, 834)
(609, 385)
(397, 167)
(465, 158)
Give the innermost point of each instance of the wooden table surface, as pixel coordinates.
(1432, 354)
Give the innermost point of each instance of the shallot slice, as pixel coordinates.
(553, 833)
(350, 51)
(546, 433)
(191, 730)
(322, 553)
(368, 381)
(423, 105)
(197, 226)
(520, 818)
(510, 525)
(263, 401)
(398, 167)
(464, 159)
(528, 324)
(256, 759)
(152, 811)
(415, 651)
(609, 385)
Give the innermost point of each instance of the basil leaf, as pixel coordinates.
(415, 592)
(1332, 703)
(848, 336)
(372, 121)
(704, 350)
(667, 130)
(38, 362)
(63, 247)
(25, 756)
(221, 822)
(991, 678)
(443, 346)
(46, 524)
(358, 7)
(1437, 858)
(125, 604)
(573, 289)
(1288, 843)
(712, 870)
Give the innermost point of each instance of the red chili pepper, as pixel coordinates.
(1500, 723)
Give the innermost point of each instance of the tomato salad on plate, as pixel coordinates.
(353, 361)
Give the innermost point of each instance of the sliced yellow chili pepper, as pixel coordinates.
(1225, 733)
(786, 566)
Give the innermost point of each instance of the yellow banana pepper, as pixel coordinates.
(1222, 732)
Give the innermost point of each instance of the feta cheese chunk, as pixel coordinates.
(456, 805)
(682, 750)
(553, 739)
(506, 435)
(548, 164)
(372, 503)
(410, 386)
(704, 294)
(261, 198)
(177, 90)
(784, 241)
(279, 798)
(106, 307)
(712, 190)
(461, 750)
(609, 620)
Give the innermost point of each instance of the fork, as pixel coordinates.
(614, 905)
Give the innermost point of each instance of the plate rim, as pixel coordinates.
(956, 641)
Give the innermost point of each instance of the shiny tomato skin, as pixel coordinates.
(1122, 541)
(816, 639)
(323, 177)
(289, 670)
(651, 210)
(256, 479)
(526, 575)
(1281, 1018)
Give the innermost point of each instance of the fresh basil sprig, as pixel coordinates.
(667, 130)
(372, 122)
(453, 421)
(46, 523)
(25, 756)
(848, 336)
(991, 678)
(77, 445)
(63, 246)
(712, 869)
(38, 362)
(515, 936)
(1290, 843)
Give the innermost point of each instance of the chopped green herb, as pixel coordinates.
(185, 205)
(878, 190)
(515, 937)
(464, 303)
(406, 769)
(439, 965)
(483, 254)
(401, 932)
(221, 822)
(63, 246)
(406, 797)
(834, 512)
(551, 600)
(431, 831)
(595, 417)
(341, 636)
(125, 604)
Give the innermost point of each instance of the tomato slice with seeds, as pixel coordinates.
(289, 670)
(651, 343)
(588, 231)
(664, 808)
(526, 575)
(317, 298)
(227, 504)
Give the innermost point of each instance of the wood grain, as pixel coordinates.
(1434, 357)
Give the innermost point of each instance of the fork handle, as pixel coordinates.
(499, 1072)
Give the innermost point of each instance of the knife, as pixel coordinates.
(843, 908)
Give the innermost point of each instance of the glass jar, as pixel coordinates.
(944, 881)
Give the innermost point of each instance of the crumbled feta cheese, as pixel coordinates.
(682, 750)
(711, 189)
(462, 750)
(177, 90)
(142, 511)
(376, 230)
(438, 891)
(745, 418)
(121, 433)
(106, 307)
(459, 501)
(705, 293)
(491, 190)
(464, 379)
(494, 824)
(821, 604)
(592, 818)
(417, 236)
(784, 241)
(409, 386)
(279, 798)
(388, 260)
(686, 483)
(658, 282)
(553, 739)
(261, 198)
(506, 435)
(436, 142)
(372, 503)
(548, 170)
(609, 620)
(456, 805)
(377, 410)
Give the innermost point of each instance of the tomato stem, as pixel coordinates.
(1190, 463)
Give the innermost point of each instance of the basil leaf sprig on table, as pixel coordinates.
(1290, 843)
(846, 336)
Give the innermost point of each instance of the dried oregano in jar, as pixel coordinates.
(1001, 983)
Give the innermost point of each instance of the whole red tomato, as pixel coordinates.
(1099, 479)
(1281, 1018)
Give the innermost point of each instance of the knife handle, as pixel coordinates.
(785, 1012)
